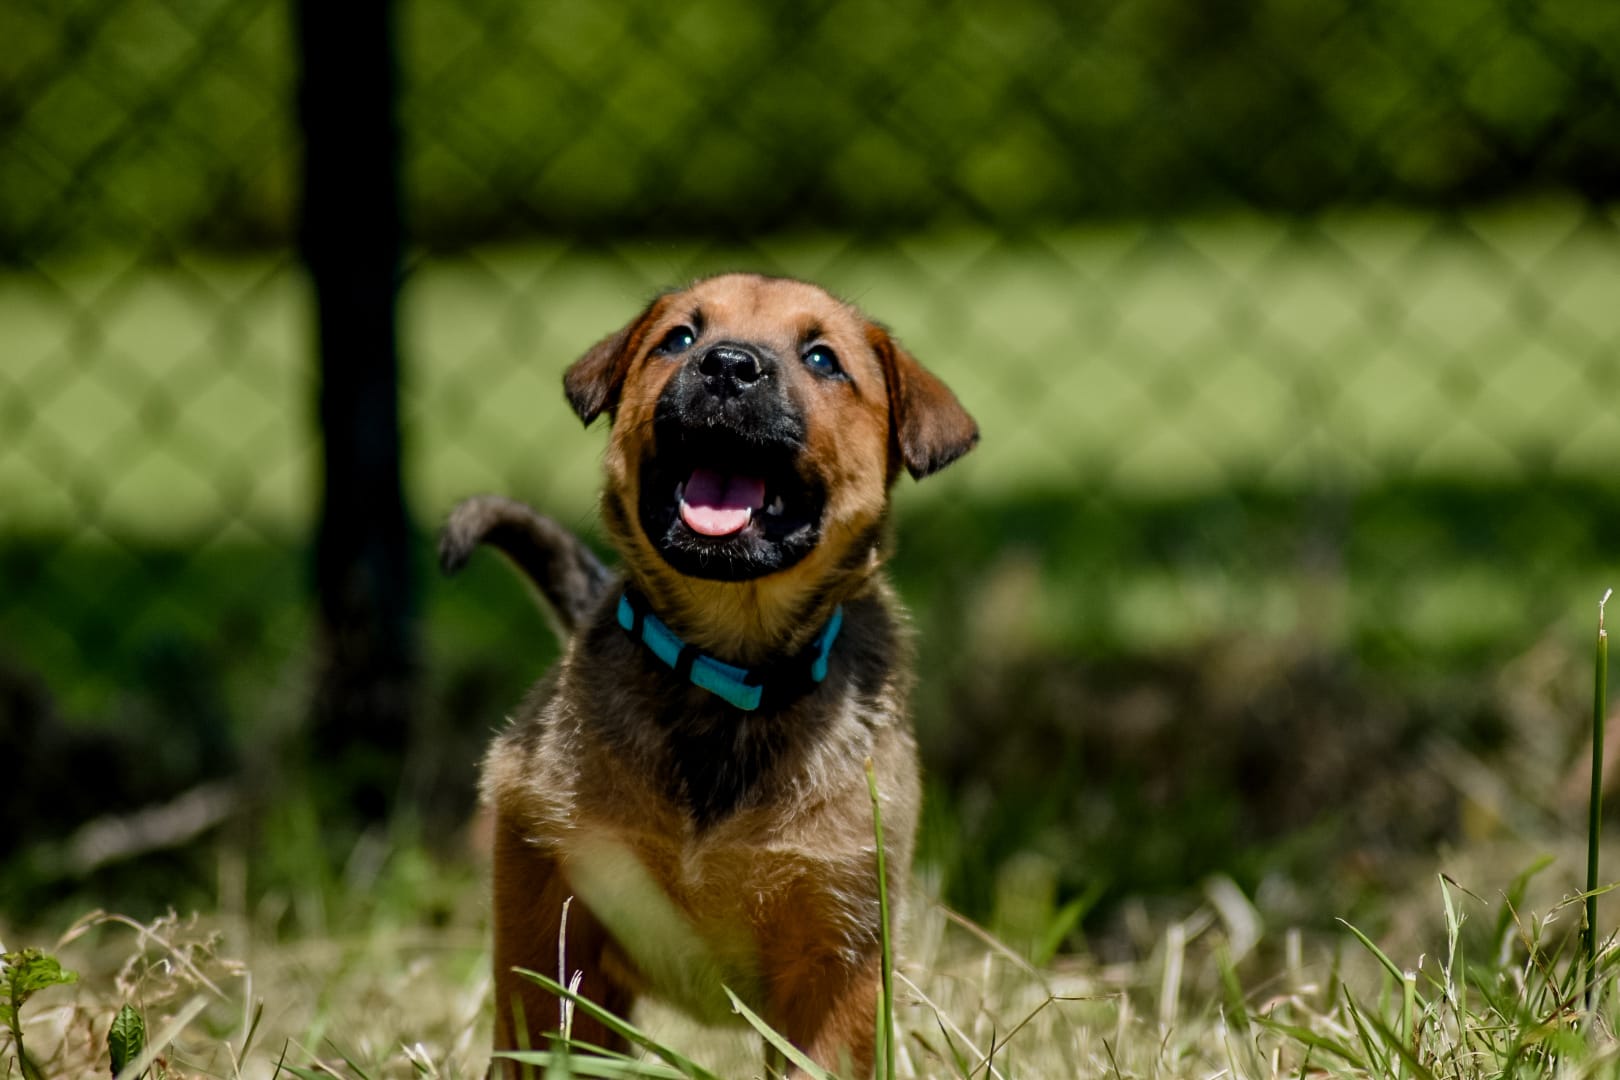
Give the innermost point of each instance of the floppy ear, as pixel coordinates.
(593, 382)
(926, 422)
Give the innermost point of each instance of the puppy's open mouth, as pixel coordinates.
(720, 507)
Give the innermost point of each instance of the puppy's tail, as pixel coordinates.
(567, 573)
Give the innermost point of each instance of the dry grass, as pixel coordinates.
(1216, 995)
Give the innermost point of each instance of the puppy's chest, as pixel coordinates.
(731, 879)
(712, 766)
(707, 761)
(733, 811)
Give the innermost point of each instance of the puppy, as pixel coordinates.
(681, 804)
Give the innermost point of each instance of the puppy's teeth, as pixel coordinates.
(776, 507)
(680, 491)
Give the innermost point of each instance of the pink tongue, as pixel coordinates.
(719, 504)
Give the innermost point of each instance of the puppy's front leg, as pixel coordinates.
(528, 905)
(831, 1013)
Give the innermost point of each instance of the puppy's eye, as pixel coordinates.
(677, 340)
(823, 361)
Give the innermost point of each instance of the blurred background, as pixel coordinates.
(1291, 328)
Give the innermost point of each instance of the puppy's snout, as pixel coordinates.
(732, 369)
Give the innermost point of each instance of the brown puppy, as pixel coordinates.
(682, 803)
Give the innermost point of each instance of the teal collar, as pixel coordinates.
(747, 690)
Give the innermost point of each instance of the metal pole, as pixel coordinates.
(351, 241)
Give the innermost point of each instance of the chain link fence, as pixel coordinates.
(1284, 322)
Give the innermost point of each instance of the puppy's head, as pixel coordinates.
(758, 424)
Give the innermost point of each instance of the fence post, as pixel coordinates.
(350, 238)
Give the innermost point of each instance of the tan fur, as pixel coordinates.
(760, 618)
(777, 898)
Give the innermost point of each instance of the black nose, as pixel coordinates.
(733, 364)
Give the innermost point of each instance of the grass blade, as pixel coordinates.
(1367, 942)
(253, 1029)
(1066, 919)
(775, 1039)
(1313, 1040)
(958, 1058)
(349, 1061)
(886, 1006)
(581, 1065)
(1396, 1043)
(623, 1028)
(1377, 1060)
(1594, 820)
(1514, 897)
(1455, 988)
